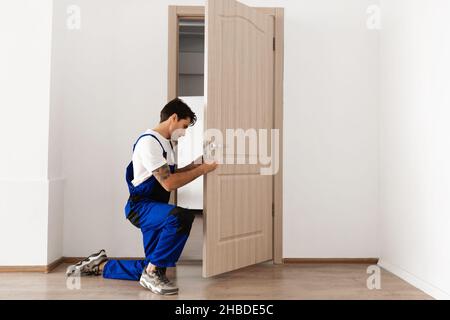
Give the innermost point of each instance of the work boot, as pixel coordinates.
(88, 266)
(157, 282)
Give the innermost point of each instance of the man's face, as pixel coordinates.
(178, 127)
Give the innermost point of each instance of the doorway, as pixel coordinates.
(186, 77)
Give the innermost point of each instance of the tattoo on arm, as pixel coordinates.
(162, 173)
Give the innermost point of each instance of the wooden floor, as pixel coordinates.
(263, 281)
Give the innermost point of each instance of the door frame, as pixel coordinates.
(177, 12)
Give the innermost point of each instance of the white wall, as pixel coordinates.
(330, 129)
(113, 83)
(415, 144)
(114, 75)
(25, 55)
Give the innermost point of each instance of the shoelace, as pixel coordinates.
(95, 271)
(162, 276)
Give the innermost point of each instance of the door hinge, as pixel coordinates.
(273, 209)
(273, 43)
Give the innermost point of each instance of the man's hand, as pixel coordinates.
(208, 167)
(196, 163)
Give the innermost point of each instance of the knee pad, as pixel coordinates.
(185, 218)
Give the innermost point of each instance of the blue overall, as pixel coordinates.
(165, 227)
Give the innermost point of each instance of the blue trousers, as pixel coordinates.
(165, 229)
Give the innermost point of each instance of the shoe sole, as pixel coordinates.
(154, 290)
(88, 262)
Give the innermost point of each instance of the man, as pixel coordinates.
(151, 176)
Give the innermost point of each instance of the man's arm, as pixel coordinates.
(178, 179)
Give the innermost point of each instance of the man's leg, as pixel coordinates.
(123, 269)
(166, 250)
(151, 219)
(162, 249)
(165, 230)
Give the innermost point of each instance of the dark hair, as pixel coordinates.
(180, 108)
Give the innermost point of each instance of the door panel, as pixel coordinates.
(238, 95)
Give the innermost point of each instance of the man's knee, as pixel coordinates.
(184, 217)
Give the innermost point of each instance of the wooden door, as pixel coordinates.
(239, 64)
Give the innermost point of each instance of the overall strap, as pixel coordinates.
(149, 134)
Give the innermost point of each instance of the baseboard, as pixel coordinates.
(420, 284)
(330, 260)
(48, 268)
(41, 269)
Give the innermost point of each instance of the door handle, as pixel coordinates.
(213, 145)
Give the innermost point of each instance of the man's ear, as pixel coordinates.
(174, 117)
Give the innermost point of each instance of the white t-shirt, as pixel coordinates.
(148, 156)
